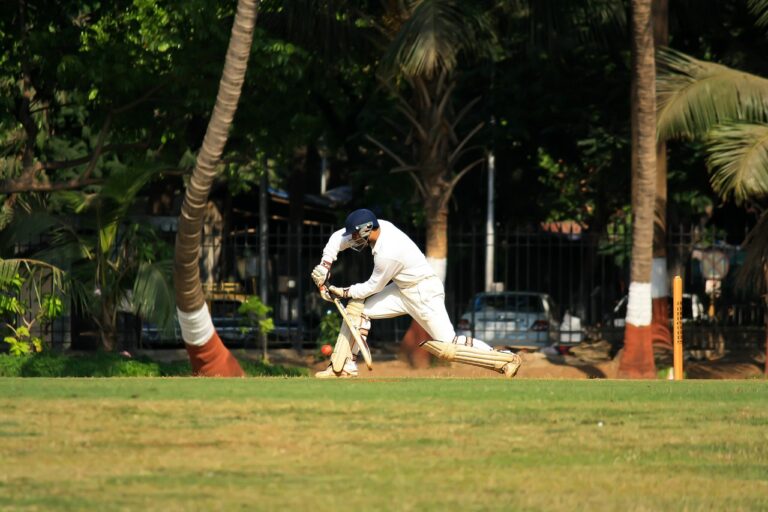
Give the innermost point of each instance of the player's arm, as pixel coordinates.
(322, 271)
(383, 272)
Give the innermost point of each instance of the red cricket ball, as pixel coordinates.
(326, 350)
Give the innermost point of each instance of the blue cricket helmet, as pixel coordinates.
(361, 222)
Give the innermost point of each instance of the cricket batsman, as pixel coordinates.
(402, 283)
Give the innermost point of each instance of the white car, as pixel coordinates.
(511, 319)
(693, 310)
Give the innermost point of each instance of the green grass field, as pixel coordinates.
(400, 444)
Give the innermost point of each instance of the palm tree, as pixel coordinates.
(637, 358)
(425, 44)
(211, 358)
(426, 38)
(728, 109)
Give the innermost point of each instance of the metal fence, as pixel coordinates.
(586, 274)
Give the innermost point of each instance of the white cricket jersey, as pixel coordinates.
(395, 258)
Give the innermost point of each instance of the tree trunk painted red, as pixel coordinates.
(638, 350)
(660, 332)
(213, 360)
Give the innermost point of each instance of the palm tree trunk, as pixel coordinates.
(637, 356)
(660, 280)
(437, 256)
(432, 109)
(209, 357)
(437, 236)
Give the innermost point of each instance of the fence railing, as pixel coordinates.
(584, 273)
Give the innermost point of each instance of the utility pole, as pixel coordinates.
(490, 230)
(263, 240)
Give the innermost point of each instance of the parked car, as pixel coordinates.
(511, 319)
(693, 310)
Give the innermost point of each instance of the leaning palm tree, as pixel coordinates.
(637, 358)
(208, 355)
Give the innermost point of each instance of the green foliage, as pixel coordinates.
(726, 107)
(9, 298)
(21, 283)
(115, 365)
(738, 160)
(696, 96)
(330, 325)
(617, 239)
(262, 368)
(435, 32)
(569, 190)
(759, 8)
(23, 342)
(256, 314)
(115, 263)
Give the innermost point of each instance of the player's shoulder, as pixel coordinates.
(389, 230)
(387, 226)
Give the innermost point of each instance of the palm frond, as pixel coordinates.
(694, 95)
(738, 160)
(35, 271)
(26, 230)
(6, 214)
(8, 271)
(599, 21)
(752, 274)
(122, 186)
(435, 33)
(153, 295)
(760, 9)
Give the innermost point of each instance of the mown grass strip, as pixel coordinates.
(431, 444)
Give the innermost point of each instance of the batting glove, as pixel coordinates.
(342, 293)
(321, 273)
(325, 294)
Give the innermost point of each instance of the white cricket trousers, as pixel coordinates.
(424, 301)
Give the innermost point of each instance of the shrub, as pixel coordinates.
(116, 365)
(330, 325)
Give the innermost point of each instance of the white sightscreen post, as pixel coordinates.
(490, 232)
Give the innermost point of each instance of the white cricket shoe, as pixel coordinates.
(348, 371)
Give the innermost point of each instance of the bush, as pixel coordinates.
(259, 368)
(10, 366)
(330, 325)
(115, 365)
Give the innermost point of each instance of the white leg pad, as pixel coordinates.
(502, 362)
(345, 342)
